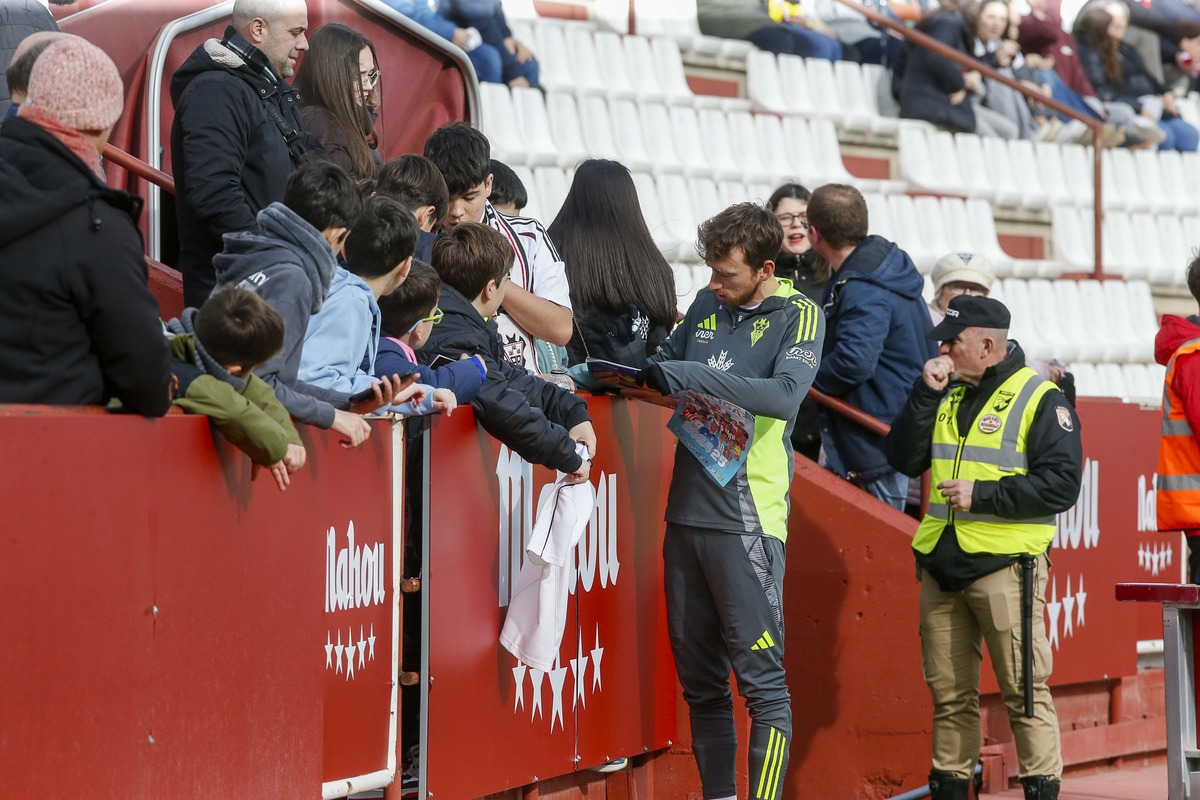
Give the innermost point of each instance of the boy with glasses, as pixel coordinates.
(408, 316)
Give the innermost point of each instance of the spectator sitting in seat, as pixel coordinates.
(214, 352)
(416, 183)
(799, 263)
(782, 33)
(342, 340)
(288, 259)
(861, 40)
(933, 88)
(537, 301)
(1050, 52)
(408, 315)
(489, 67)
(518, 66)
(237, 133)
(538, 420)
(875, 339)
(1119, 74)
(78, 325)
(508, 193)
(622, 289)
(17, 74)
(339, 81)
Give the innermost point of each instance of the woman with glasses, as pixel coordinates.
(339, 81)
(798, 262)
(407, 317)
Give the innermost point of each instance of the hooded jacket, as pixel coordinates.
(288, 263)
(875, 346)
(1174, 332)
(763, 360)
(530, 415)
(245, 410)
(78, 324)
(18, 19)
(235, 139)
(1136, 79)
(341, 336)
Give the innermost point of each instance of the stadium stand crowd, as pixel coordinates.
(321, 278)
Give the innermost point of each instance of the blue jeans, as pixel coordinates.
(486, 60)
(891, 487)
(785, 39)
(1065, 94)
(1180, 135)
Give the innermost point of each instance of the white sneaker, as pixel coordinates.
(1147, 130)
(615, 765)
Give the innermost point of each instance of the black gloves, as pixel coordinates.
(652, 377)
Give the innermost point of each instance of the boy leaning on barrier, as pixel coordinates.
(214, 352)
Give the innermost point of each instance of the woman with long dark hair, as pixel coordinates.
(339, 81)
(1120, 75)
(622, 290)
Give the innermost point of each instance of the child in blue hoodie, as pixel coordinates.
(342, 339)
(409, 314)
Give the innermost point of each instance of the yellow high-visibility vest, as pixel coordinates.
(991, 449)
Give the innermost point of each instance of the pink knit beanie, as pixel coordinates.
(78, 84)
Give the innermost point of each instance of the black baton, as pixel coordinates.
(1028, 563)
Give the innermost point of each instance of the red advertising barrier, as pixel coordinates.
(612, 692)
(164, 622)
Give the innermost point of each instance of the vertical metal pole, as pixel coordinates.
(1178, 664)
(1098, 201)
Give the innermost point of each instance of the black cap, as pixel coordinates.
(970, 311)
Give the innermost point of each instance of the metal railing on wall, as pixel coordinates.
(920, 39)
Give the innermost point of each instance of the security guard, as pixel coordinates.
(1004, 450)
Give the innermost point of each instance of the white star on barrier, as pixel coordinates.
(338, 652)
(328, 651)
(371, 641)
(579, 666)
(597, 655)
(362, 648)
(350, 661)
(1170, 554)
(1054, 607)
(1080, 600)
(535, 680)
(558, 677)
(519, 681)
(1068, 607)
(1142, 555)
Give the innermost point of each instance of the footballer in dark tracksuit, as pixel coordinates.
(723, 554)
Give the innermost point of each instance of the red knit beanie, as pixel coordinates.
(78, 84)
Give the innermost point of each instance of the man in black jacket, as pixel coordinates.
(78, 324)
(237, 134)
(1003, 448)
(537, 419)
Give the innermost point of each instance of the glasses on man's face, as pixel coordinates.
(435, 318)
(787, 220)
(369, 79)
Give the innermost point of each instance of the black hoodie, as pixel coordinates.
(236, 138)
(78, 324)
(530, 415)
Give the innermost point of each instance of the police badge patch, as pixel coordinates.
(990, 423)
(1064, 419)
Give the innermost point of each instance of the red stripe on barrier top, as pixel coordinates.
(1177, 594)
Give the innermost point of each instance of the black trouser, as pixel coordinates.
(725, 609)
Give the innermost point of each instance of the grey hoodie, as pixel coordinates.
(288, 263)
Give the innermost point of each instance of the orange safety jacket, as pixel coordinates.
(1178, 490)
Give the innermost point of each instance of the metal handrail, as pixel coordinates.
(135, 165)
(963, 60)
